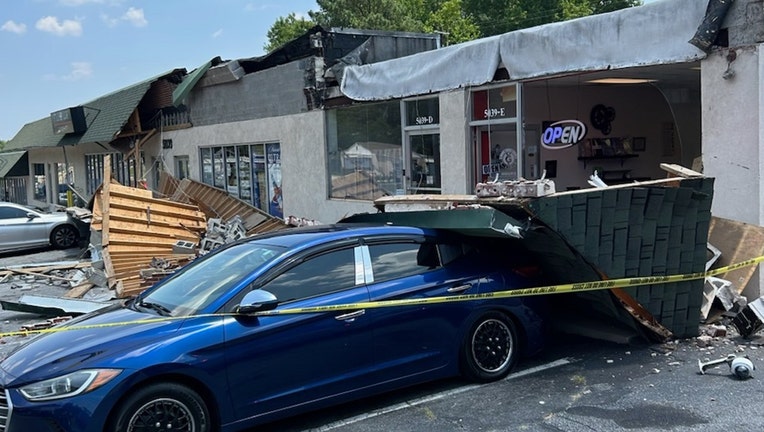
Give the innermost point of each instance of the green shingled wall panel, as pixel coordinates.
(644, 231)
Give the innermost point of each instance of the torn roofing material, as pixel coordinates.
(105, 117)
(52, 306)
(652, 34)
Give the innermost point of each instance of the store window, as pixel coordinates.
(495, 104)
(250, 172)
(181, 167)
(205, 155)
(273, 172)
(365, 152)
(126, 171)
(495, 134)
(422, 139)
(39, 181)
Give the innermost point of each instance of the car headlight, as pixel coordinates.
(68, 385)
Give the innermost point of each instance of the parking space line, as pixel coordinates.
(437, 396)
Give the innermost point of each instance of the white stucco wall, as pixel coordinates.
(454, 136)
(733, 132)
(303, 159)
(733, 135)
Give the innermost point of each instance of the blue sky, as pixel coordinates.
(61, 53)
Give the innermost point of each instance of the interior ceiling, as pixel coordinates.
(672, 75)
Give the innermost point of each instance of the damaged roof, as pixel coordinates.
(651, 34)
(105, 117)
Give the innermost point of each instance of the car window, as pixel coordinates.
(204, 281)
(11, 212)
(320, 274)
(396, 260)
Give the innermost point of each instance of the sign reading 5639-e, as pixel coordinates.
(563, 134)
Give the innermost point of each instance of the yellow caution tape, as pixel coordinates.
(520, 292)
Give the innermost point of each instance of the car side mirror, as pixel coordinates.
(31, 216)
(257, 301)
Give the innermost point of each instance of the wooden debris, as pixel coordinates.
(217, 203)
(78, 291)
(42, 275)
(135, 228)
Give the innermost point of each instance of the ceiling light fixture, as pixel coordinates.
(621, 81)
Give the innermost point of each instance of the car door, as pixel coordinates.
(410, 340)
(18, 231)
(276, 362)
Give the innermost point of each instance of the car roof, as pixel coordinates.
(294, 237)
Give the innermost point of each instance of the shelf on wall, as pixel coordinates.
(621, 157)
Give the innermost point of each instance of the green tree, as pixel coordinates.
(397, 15)
(285, 29)
(500, 16)
(459, 20)
(450, 19)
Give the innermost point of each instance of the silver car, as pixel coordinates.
(25, 228)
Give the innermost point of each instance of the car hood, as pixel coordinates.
(54, 217)
(94, 339)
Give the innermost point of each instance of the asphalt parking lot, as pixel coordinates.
(576, 384)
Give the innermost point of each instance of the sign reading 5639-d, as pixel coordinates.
(563, 134)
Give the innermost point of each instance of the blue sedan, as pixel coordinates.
(208, 348)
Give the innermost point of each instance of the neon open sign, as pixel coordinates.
(563, 134)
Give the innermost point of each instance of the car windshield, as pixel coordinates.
(205, 280)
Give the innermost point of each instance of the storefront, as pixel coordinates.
(632, 99)
(250, 172)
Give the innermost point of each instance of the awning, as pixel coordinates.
(14, 164)
(653, 34)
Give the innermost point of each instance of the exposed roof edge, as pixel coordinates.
(14, 164)
(470, 63)
(638, 36)
(105, 117)
(189, 81)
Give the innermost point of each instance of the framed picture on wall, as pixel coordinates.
(638, 144)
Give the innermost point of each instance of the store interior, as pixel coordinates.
(636, 119)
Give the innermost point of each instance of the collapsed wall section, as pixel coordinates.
(638, 231)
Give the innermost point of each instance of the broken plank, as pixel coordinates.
(641, 314)
(155, 205)
(47, 267)
(27, 272)
(679, 171)
(79, 290)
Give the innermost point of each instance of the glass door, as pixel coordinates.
(423, 163)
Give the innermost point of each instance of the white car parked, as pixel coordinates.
(25, 228)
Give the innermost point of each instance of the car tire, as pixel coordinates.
(64, 237)
(490, 348)
(165, 407)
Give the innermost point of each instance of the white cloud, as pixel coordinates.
(135, 17)
(50, 24)
(80, 71)
(217, 34)
(13, 27)
(109, 21)
(249, 7)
